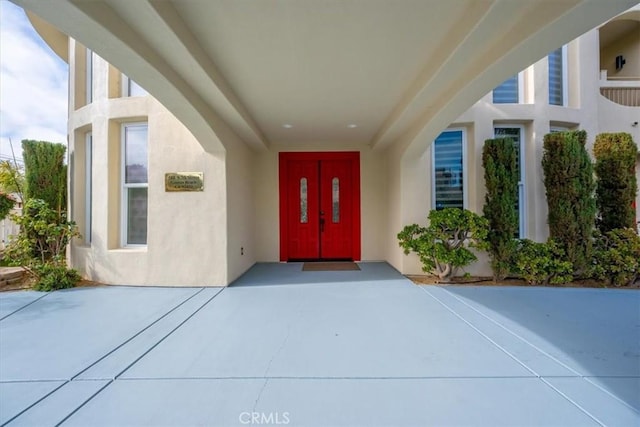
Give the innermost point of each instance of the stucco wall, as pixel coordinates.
(629, 47)
(240, 248)
(410, 176)
(187, 232)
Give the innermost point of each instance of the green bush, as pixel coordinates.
(617, 186)
(6, 204)
(40, 245)
(45, 173)
(501, 180)
(542, 263)
(617, 257)
(443, 245)
(569, 183)
(52, 276)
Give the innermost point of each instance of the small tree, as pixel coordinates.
(616, 187)
(11, 177)
(501, 180)
(45, 173)
(569, 183)
(40, 246)
(443, 245)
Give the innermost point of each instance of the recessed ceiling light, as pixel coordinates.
(352, 126)
(287, 126)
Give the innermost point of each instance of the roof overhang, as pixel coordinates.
(374, 73)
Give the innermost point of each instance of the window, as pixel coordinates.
(304, 215)
(335, 200)
(508, 92)
(135, 183)
(131, 88)
(88, 167)
(558, 88)
(448, 165)
(516, 134)
(89, 77)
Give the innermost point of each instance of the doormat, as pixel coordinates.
(330, 266)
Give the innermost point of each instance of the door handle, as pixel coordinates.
(321, 225)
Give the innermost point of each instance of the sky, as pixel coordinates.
(33, 84)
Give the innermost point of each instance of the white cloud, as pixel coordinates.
(33, 84)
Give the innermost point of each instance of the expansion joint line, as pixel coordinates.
(25, 306)
(550, 356)
(34, 403)
(169, 333)
(73, 378)
(84, 403)
(512, 356)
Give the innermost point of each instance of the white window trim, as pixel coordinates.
(464, 167)
(124, 87)
(522, 200)
(89, 76)
(565, 76)
(124, 217)
(521, 97)
(125, 90)
(88, 193)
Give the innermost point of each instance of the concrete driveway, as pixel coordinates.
(353, 348)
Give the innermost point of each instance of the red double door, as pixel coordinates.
(319, 206)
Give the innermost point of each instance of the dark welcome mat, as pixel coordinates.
(330, 266)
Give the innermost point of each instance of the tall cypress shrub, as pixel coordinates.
(501, 180)
(569, 183)
(616, 185)
(45, 173)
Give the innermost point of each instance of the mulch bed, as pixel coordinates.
(488, 281)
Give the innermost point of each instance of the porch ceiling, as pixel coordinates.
(392, 68)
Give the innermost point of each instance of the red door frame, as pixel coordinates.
(284, 158)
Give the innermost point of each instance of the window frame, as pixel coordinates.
(88, 186)
(522, 183)
(124, 186)
(463, 130)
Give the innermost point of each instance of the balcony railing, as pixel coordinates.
(621, 90)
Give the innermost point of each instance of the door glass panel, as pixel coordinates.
(335, 198)
(304, 217)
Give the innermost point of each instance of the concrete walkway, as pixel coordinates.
(353, 348)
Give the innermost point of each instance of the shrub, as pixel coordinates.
(542, 263)
(617, 257)
(501, 180)
(6, 204)
(40, 245)
(45, 173)
(569, 183)
(617, 185)
(52, 276)
(443, 245)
